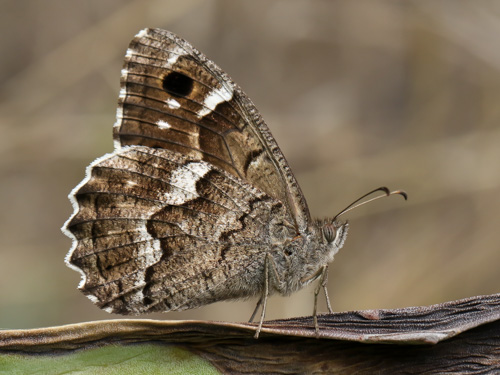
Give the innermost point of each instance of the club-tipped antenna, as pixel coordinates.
(355, 204)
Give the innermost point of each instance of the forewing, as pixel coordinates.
(155, 230)
(173, 97)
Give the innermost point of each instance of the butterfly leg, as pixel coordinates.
(321, 284)
(324, 285)
(269, 263)
(256, 309)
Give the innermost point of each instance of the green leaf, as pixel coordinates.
(131, 359)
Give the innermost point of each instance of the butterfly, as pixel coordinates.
(197, 203)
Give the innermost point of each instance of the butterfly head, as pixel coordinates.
(334, 234)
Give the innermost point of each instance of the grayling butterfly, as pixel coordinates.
(196, 204)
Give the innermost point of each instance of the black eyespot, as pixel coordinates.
(288, 252)
(178, 84)
(329, 232)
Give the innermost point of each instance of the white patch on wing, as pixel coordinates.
(142, 33)
(130, 52)
(149, 247)
(256, 162)
(92, 298)
(117, 124)
(149, 252)
(183, 181)
(116, 143)
(119, 113)
(172, 103)
(214, 98)
(123, 93)
(175, 52)
(163, 124)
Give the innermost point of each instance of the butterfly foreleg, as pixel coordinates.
(269, 267)
(323, 280)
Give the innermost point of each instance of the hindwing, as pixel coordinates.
(156, 229)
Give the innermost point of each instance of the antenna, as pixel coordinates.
(386, 191)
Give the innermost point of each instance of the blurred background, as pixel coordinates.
(358, 95)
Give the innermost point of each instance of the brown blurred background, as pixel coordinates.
(358, 95)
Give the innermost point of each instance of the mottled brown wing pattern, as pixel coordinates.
(197, 204)
(151, 221)
(173, 97)
(196, 198)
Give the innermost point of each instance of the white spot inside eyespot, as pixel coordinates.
(172, 103)
(183, 182)
(163, 124)
(214, 98)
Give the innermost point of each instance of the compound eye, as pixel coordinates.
(329, 232)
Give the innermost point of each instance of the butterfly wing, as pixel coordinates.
(196, 193)
(173, 97)
(156, 230)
